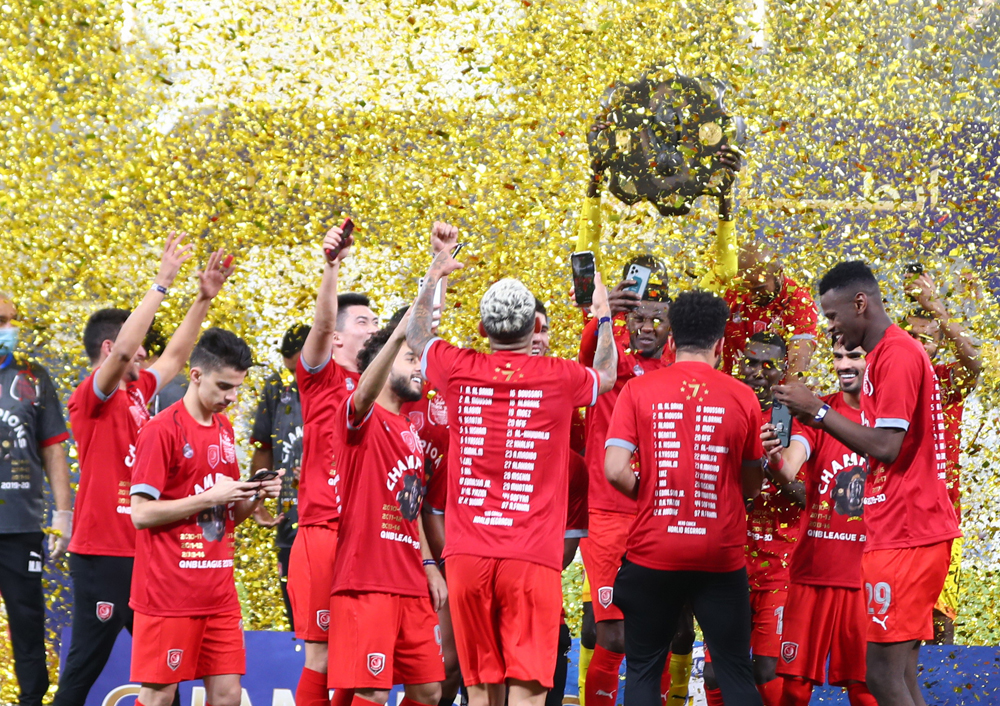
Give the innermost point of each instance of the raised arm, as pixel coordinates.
(135, 327)
(318, 346)
(178, 350)
(725, 261)
(606, 355)
(375, 375)
(420, 329)
(965, 348)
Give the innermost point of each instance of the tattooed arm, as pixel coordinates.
(420, 330)
(606, 355)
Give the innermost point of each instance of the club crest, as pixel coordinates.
(105, 610)
(213, 455)
(376, 663)
(789, 651)
(323, 619)
(605, 594)
(174, 658)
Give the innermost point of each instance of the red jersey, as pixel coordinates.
(791, 314)
(696, 427)
(906, 502)
(953, 406)
(429, 415)
(577, 517)
(185, 568)
(601, 495)
(382, 469)
(321, 393)
(509, 415)
(832, 530)
(105, 432)
(772, 533)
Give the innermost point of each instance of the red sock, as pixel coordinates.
(858, 695)
(796, 692)
(714, 697)
(601, 688)
(312, 690)
(770, 692)
(665, 682)
(342, 697)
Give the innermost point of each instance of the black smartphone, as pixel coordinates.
(262, 475)
(346, 240)
(781, 418)
(584, 270)
(915, 268)
(457, 250)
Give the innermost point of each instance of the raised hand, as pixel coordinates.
(444, 264)
(924, 292)
(599, 306)
(332, 241)
(174, 256)
(622, 300)
(443, 237)
(215, 274)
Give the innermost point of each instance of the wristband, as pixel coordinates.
(821, 414)
(160, 288)
(430, 562)
(603, 320)
(777, 466)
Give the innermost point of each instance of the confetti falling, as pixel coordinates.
(872, 131)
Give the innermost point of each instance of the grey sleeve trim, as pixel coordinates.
(423, 356)
(890, 423)
(805, 442)
(100, 395)
(434, 510)
(573, 533)
(313, 369)
(159, 383)
(802, 337)
(145, 489)
(348, 413)
(621, 443)
(597, 385)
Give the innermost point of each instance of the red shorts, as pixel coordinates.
(310, 579)
(383, 639)
(602, 550)
(506, 618)
(901, 587)
(767, 608)
(168, 650)
(821, 621)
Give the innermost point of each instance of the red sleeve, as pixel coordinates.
(897, 387)
(438, 362)
(576, 517)
(803, 317)
(753, 450)
(90, 404)
(348, 429)
(309, 382)
(153, 459)
(622, 431)
(581, 380)
(148, 384)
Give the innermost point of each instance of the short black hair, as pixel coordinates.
(155, 342)
(769, 338)
(375, 343)
(294, 339)
(103, 325)
(853, 273)
(218, 348)
(697, 320)
(397, 316)
(346, 301)
(540, 308)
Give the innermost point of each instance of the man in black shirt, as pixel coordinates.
(277, 439)
(32, 432)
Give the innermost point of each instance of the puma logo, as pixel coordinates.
(609, 694)
(881, 622)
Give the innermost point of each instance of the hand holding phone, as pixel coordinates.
(640, 275)
(781, 418)
(346, 241)
(262, 475)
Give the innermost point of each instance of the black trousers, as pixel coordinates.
(558, 690)
(21, 558)
(652, 602)
(101, 589)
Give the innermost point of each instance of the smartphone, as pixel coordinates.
(346, 240)
(457, 250)
(640, 275)
(262, 475)
(781, 418)
(584, 270)
(915, 268)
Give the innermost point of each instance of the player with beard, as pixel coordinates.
(386, 584)
(187, 501)
(934, 326)
(327, 372)
(508, 411)
(825, 614)
(910, 519)
(106, 412)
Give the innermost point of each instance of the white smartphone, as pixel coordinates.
(640, 275)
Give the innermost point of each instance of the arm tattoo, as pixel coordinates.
(606, 355)
(418, 331)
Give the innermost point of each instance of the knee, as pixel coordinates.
(709, 675)
(764, 669)
(611, 635)
(588, 630)
(429, 694)
(230, 694)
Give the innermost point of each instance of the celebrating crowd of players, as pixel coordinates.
(429, 496)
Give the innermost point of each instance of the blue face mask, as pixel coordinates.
(8, 341)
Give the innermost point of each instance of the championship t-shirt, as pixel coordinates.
(382, 471)
(321, 391)
(832, 534)
(429, 415)
(278, 426)
(185, 568)
(509, 415)
(906, 502)
(772, 533)
(105, 431)
(953, 406)
(602, 496)
(791, 314)
(31, 418)
(694, 428)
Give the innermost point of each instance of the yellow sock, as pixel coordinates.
(581, 680)
(680, 675)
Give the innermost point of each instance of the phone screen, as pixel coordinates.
(781, 418)
(584, 270)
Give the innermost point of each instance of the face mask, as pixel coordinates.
(8, 341)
